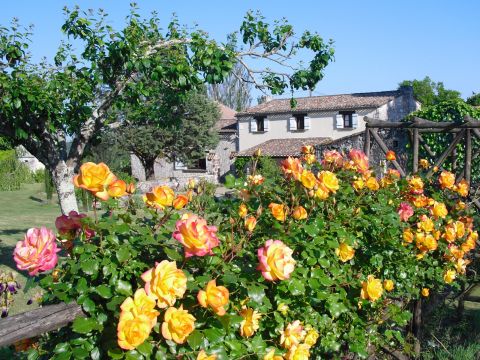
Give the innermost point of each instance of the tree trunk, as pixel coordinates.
(149, 165)
(62, 175)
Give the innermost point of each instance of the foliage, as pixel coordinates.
(330, 269)
(13, 172)
(234, 91)
(474, 100)
(455, 111)
(153, 130)
(429, 92)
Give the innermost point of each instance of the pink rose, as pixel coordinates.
(332, 159)
(197, 237)
(69, 225)
(276, 262)
(405, 211)
(38, 252)
(359, 159)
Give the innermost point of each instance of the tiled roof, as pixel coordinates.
(227, 121)
(283, 147)
(322, 103)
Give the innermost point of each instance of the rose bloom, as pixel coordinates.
(358, 184)
(372, 184)
(312, 337)
(271, 356)
(214, 296)
(461, 266)
(308, 179)
(180, 201)
(117, 189)
(405, 211)
(37, 252)
(299, 213)
(329, 180)
(130, 188)
(449, 276)
(202, 355)
(283, 308)
(192, 183)
(276, 261)
(450, 235)
(196, 236)
(359, 159)
(430, 242)
(309, 158)
(424, 163)
(322, 192)
(69, 225)
(160, 197)
(388, 285)
(456, 252)
(345, 252)
(250, 322)
(250, 223)
(390, 156)
(308, 149)
(371, 289)
(278, 211)
(332, 159)
(255, 180)
(415, 185)
(132, 331)
(425, 292)
(178, 324)
(298, 352)
(426, 224)
(408, 235)
(292, 168)
(393, 174)
(293, 334)
(242, 210)
(459, 227)
(446, 180)
(141, 304)
(165, 283)
(439, 210)
(95, 178)
(462, 188)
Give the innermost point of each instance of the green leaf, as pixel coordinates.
(123, 254)
(95, 353)
(195, 339)
(85, 325)
(296, 287)
(32, 354)
(89, 267)
(145, 349)
(124, 287)
(61, 347)
(133, 355)
(256, 293)
(115, 353)
(173, 254)
(17, 103)
(88, 305)
(336, 308)
(214, 335)
(80, 353)
(81, 286)
(104, 291)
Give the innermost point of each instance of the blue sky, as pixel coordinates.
(378, 43)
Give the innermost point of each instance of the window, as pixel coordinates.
(300, 120)
(260, 123)
(347, 119)
(200, 164)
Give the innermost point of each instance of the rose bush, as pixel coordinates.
(321, 263)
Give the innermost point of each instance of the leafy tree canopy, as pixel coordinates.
(474, 100)
(429, 92)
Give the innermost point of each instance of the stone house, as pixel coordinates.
(214, 167)
(332, 121)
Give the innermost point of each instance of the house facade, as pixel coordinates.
(320, 121)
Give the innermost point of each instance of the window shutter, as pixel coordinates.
(292, 124)
(307, 123)
(266, 124)
(339, 118)
(253, 125)
(354, 121)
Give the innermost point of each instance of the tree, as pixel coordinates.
(184, 139)
(45, 104)
(474, 100)
(429, 92)
(234, 91)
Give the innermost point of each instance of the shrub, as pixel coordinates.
(319, 263)
(13, 172)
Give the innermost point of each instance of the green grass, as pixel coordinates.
(19, 211)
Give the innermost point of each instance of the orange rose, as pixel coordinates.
(160, 197)
(371, 289)
(415, 185)
(117, 189)
(345, 252)
(359, 159)
(308, 179)
(292, 335)
(308, 149)
(446, 180)
(462, 188)
(95, 178)
(214, 296)
(329, 180)
(390, 156)
(278, 211)
(197, 237)
(424, 164)
(299, 213)
(425, 292)
(250, 322)
(332, 159)
(275, 260)
(242, 210)
(292, 168)
(254, 180)
(439, 210)
(408, 235)
(178, 324)
(180, 201)
(250, 223)
(373, 184)
(130, 188)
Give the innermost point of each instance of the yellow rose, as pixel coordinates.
(308, 179)
(424, 163)
(449, 276)
(322, 192)
(165, 282)
(450, 234)
(250, 322)
(430, 242)
(250, 223)
(278, 211)
(214, 296)
(371, 289)
(117, 189)
(298, 352)
(372, 184)
(426, 224)
(446, 180)
(299, 213)
(242, 210)
(461, 266)
(271, 356)
(275, 260)
(132, 331)
(160, 196)
(309, 158)
(95, 178)
(440, 210)
(462, 188)
(178, 324)
(312, 337)
(388, 285)
(408, 235)
(292, 335)
(425, 292)
(202, 355)
(415, 185)
(358, 184)
(180, 201)
(141, 304)
(345, 252)
(329, 180)
(459, 229)
(254, 180)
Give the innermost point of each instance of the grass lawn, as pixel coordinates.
(19, 211)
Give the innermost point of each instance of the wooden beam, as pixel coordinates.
(384, 148)
(468, 156)
(366, 145)
(36, 322)
(415, 150)
(447, 152)
(420, 123)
